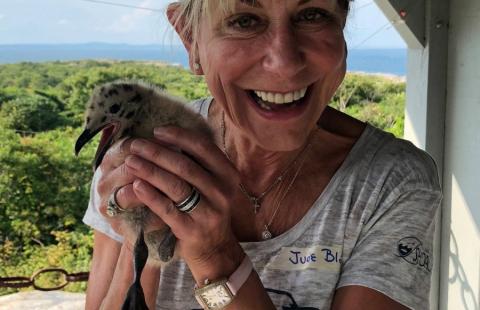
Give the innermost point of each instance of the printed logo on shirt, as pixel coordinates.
(412, 251)
(316, 257)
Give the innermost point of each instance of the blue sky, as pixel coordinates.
(80, 21)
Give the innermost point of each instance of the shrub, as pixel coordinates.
(43, 186)
(30, 113)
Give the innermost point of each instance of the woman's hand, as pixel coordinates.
(165, 177)
(114, 175)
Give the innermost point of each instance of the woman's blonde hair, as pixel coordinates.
(191, 12)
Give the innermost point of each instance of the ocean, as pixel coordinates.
(385, 61)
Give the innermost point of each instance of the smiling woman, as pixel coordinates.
(318, 202)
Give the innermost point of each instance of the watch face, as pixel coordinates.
(215, 296)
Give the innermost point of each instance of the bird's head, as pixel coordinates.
(111, 109)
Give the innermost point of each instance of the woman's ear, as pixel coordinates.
(173, 11)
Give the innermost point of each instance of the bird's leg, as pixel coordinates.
(167, 246)
(161, 244)
(135, 299)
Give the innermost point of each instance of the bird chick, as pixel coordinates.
(124, 109)
(133, 109)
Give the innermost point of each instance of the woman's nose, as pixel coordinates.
(283, 54)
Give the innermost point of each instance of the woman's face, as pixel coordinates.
(274, 65)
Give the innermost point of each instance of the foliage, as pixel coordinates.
(360, 89)
(388, 114)
(377, 100)
(70, 250)
(30, 207)
(30, 113)
(41, 203)
(44, 189)
(72, 82)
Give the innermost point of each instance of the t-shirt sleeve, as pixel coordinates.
(93, 217)
(393, 253)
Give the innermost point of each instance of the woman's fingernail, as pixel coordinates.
(139, 186)
(133, 162)
(160, 132)
(137, 145)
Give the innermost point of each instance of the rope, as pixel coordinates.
(124, 5)
(388, 25)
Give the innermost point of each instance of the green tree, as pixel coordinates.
(43, 186)
(30, 113)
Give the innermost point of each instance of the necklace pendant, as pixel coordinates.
(266, 234)
(256, 204)
(256, 207)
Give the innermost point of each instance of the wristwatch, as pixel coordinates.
(217, 295)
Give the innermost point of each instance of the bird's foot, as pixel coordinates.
(166, 248)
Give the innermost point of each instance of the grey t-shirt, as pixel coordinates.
(372, 226)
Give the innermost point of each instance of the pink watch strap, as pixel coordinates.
(239, 276)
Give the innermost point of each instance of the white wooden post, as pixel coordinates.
(423, 24)
(460, 269)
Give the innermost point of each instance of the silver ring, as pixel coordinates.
(113, 209)
(190, 203)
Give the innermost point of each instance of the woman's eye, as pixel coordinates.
(313, 15)
(244, 22)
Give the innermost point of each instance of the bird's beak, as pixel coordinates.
(105, 142)
(86, 136)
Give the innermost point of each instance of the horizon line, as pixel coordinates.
(159, 45)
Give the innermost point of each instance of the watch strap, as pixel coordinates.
(240, 275)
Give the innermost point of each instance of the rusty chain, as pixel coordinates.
(21, 282)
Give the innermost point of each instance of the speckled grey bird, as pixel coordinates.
(133, 109)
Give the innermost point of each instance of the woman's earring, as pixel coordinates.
(196, 66)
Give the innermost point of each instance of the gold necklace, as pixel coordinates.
(266, 234)
(256, 200)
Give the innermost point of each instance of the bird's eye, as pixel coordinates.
(115, 108)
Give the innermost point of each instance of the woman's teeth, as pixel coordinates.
(278, 98)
